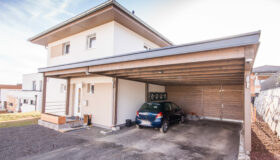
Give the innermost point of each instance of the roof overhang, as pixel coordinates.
(104, 13)
(219, 61)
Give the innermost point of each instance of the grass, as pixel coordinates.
(18, 116)
(18, 119)
(19, 123)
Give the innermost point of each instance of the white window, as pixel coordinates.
(32, 102)
(25, 101)
(91, 41)
(146, 47)
(66, 48)
(62, 88)
(90, 88)
(41, 85)
(34, 85)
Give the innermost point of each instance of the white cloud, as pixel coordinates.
(18, 23)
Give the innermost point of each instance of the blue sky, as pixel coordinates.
(181, 21)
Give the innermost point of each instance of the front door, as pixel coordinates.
(78, 96)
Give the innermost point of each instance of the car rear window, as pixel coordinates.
(150, 107)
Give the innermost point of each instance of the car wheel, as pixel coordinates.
(182, 120)
(164, 127)
(138, 126)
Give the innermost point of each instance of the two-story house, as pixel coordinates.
(110, 62)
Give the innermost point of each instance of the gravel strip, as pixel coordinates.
(17, 142)
(265, 144)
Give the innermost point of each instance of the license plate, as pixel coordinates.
(145, 123)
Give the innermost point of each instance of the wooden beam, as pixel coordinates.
(247, 112)
(146, 92)
(179, 66)
(237, 71)
(115, 101)
(182, 70)
(174, 82)
(67, 97)
(45, 81)
(67, 71)
(206, 56)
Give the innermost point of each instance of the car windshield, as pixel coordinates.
(150, 107)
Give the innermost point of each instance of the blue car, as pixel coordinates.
(159, 115)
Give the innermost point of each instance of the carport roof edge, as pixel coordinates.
(213, 44)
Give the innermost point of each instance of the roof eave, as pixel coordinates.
(95, 9)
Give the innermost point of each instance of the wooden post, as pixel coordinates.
(247, 112)
(115, 100)
(67, 97)
(44, 93)
(146, 92)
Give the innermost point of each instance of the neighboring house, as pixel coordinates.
(259, 75)
(29, 98)
(4, 89)
(111, 61)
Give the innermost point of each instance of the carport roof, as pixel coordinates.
(214, 44)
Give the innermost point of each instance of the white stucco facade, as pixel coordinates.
(131, 96)
(56, 96)
(34, 78)
(98, 103)
(111, 39)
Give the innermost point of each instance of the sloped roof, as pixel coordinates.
(266, 69)
(94, 10)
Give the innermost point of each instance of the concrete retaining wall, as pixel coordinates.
(268, 106)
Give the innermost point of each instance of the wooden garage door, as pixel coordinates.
(232, 104)
(212, 102)
(224, 103)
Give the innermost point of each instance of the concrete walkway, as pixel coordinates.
(209, 140)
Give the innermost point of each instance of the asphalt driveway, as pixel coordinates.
(209, 140)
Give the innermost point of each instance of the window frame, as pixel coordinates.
(147, 47)
(34, 86)
(90, 88)
(89, 37)
(64, 48)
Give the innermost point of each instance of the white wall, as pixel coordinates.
(111, 39)
(131, 96)
(20, 95)
(156, 88)
(78, 46)
(126, 41)
(27, 81)
(55, 97)
(100, 103)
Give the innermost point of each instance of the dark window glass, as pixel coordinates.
(167, 107)
(151, 107)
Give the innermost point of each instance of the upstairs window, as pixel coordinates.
(91, 41)
(146, 47)
(66, 48)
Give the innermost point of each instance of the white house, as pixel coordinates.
(4, 90)
(106, 61)
(29, 98)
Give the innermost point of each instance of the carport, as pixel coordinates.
(209, 78)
